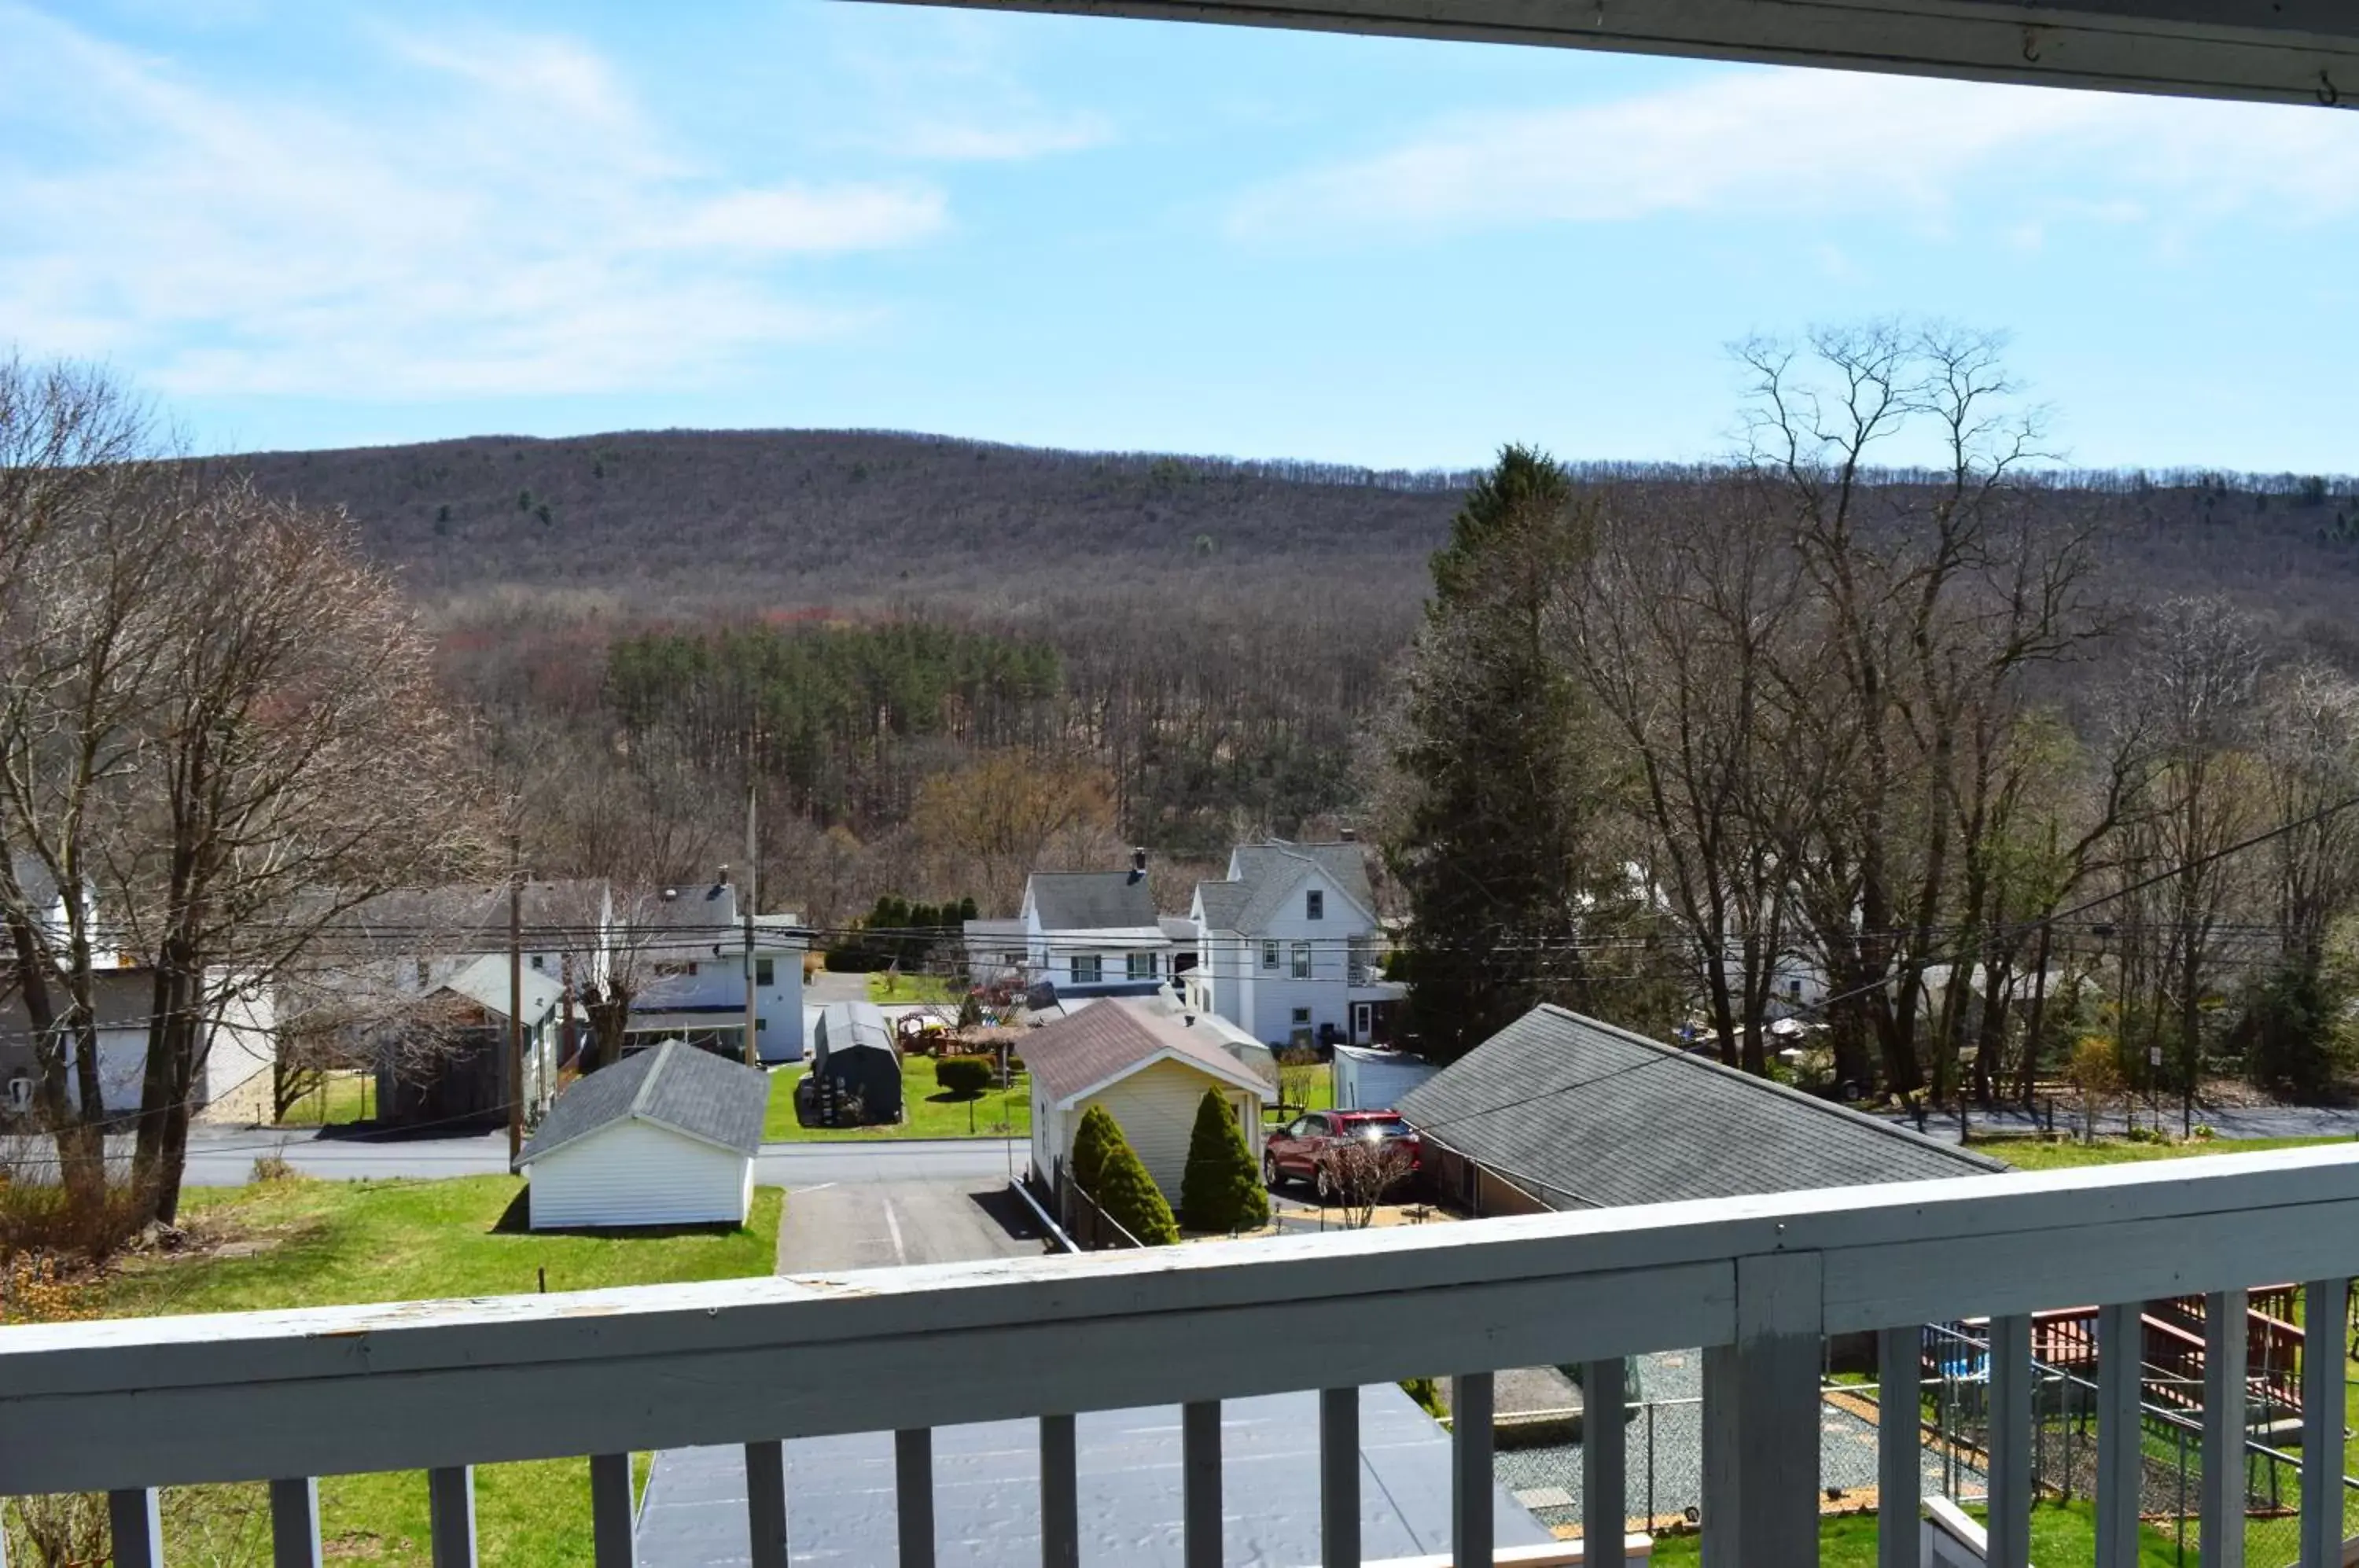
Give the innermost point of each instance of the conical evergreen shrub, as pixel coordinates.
(1098, 1133)
(1106, 1167)
(1221, 1190)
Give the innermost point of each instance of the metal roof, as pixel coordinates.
(1583, 1115)
(673, 1085)
(1092, 901)
(485, 983)
(2283, 52)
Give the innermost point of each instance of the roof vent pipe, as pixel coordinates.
(1138, 864)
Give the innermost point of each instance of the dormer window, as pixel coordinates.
(1314, 905)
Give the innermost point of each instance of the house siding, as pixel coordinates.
(635, 1174)
(1155, 1108)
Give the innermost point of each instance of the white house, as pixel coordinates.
(1291, 947)
(997, 953)
(666, 1137)
(1370, 1078)
(233, 1072)
(689, 945)
(1095, 932)
(1149, 1072)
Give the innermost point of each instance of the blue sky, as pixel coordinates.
(316, 225)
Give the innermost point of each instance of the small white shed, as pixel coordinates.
(1149, 1072)
(1368, 1079)
(666, 1137)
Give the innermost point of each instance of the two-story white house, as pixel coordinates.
(1290, 946)
(688, 947)
(1096, 933)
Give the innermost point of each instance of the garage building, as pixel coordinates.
(666, 1137)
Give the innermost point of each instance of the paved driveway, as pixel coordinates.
(882, 1224)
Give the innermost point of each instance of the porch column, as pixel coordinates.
(1761, 1420)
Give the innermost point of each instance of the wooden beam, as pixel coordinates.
(2010, 1442)
(1899, 1444)
(295, 1523)
(101, 1405)
(613, 1520)
(1604, 1483)
(2120, 1469)
(2221, 1512)
(1473, 1527)
(2325, 1305)
(1200, 1478)
(1339, 1476)
(913, 1495)
(451, 1515)
(1061, 1494)
(766, 1503)
(136, 1524)
(2285, 51)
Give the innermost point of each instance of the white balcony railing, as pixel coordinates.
(131, 1405)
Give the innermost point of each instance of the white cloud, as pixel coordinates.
(1763, 143)
(515, 225)
(1006, 139)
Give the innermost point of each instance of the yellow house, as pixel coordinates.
(1148, 1070)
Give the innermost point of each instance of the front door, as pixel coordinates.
(1362, 1021)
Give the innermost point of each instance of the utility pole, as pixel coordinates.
(753, 1050)
(515, 998)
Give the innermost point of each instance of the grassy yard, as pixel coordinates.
(932, 988)
(2028, 1154)
(342, 1097)
(927, 1112)
(2063, 1536)
(320, 1242)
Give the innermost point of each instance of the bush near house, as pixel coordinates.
(965, 1076)
(1111, 1173)
(1221, 1190)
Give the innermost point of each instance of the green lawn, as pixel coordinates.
(348, 1096)
(927, 1111)
(324, 1242)
(2030, 1154)
(934, 988)
(2063, 1535)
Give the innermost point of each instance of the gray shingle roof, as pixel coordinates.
(674, 1085)
(1099, 1041)
(1092, 901)
(1268, 873)
(1635, 1122)
(485, 983)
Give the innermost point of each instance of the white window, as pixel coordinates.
(1142, 967)
(1359, 955)
(1270, 955)
(1301, 1017)
(1302, 961)
(538, 963)
(1087, 968)
(19, 1094)
(1314, 905)
(766, 972)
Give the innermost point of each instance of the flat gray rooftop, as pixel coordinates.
(839, 1502)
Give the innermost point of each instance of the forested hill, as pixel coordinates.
(816, 517)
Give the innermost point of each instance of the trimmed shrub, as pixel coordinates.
(1221, 1190)
(1106, 1167)
(965, 1076)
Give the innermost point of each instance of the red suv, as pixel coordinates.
(1307, 1147)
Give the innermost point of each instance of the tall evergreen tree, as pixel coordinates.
(1221, 1190)
(1492, 844)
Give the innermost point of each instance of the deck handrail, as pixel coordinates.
(1757, 1281)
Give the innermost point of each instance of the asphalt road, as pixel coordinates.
(225, 1159)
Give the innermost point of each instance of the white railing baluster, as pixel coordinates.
(2010, 1442)
(1200, 1483)
(1604, 1488)
(138, 1527)
(2220, 1509)
(913, 1495)
(1899, 1444)
(2324, 1303)
(2121, 1330)
(612, 1518)
(1761, 1419)
(1339, 1478)
(1061, 1494)
(295, 1523)
(451, 1515)
(766, 1502)
(1472, 1527)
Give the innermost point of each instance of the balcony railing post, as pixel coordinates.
(1339, 1478)
(1200, 1481)
(2120, 1467)
(1761, 1419)
(451, 1515)
(2220, 1509)
(766, 1503)
(2324, 1303)
(611, 1514)
(913, 1495)
(295, 1523)
(1604, 1487)
(2009, 1422)
(137, 1524)
(1472, 1527)
(1060, 1509)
